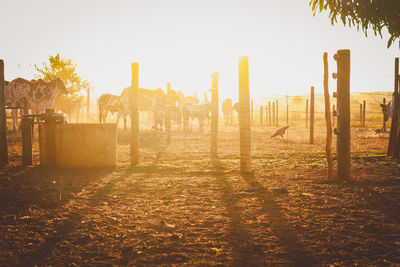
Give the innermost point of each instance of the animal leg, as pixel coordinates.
(125, 122)
(14, 114)
(118, 116)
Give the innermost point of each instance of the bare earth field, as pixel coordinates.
(179, 207)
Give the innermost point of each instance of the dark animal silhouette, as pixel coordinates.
(280, 131)
(379, 131)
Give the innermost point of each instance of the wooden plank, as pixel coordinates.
(134, 110)
(277, 113)
(364, 112)
(328, 147)
(394, 123)
(214, 115)
(244, 115)
(3, 121)
(343, 103)
(312, 116)
(384, 122)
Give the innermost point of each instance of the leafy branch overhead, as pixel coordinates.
(364, 14)
(66, 70)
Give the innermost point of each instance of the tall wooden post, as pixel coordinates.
(287, 110)
(333, 115)
(273, 114)
(214, 115)
(3, 120)
(269, 114)
(343, 102)
(384, 122)
(277, 113)
(26, 128)
(244, 114)
(306, 113)
(361, 115)
(394, 125)
(134, 110)
(261, 115)
(252, 113)
(328, 147)
(312, 116)
(364, 112)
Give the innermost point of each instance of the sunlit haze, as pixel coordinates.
(183, 42)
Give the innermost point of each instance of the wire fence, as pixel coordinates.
(290, 110)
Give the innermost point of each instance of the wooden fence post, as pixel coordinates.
(312, 116)
(343, 102)
(261, 115)
(361, 115)
(306, 113)
(384, 122)
(26, 128)
(287, 109)
(328, 118)
(269, 113)
(394, 124)
(364, 109)
(214, 115)
(3, 120)
(273, 114)
(244, 114)
(333, 115)
(134, 110)
(277, 113)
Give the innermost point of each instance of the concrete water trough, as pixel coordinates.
(78, 145)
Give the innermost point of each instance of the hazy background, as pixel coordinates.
(183, 42)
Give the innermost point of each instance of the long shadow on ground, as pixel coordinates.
(281, 228)
(75, 215)
(245, 252)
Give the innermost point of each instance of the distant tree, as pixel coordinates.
(364, 14)
(66, 70)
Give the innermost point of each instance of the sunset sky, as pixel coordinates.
(184, 41)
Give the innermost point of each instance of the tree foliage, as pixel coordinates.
(364, 14)
(66, 70)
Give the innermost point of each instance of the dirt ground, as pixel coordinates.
(179, 207)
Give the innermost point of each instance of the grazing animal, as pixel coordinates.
(38, 94)
(200, 111)
(379, 131)
(182, 100)
(68, 105)
(280, 131)
(387, 110)
(147, 100)
(236, 107)
(113, 103)
(227, 110)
